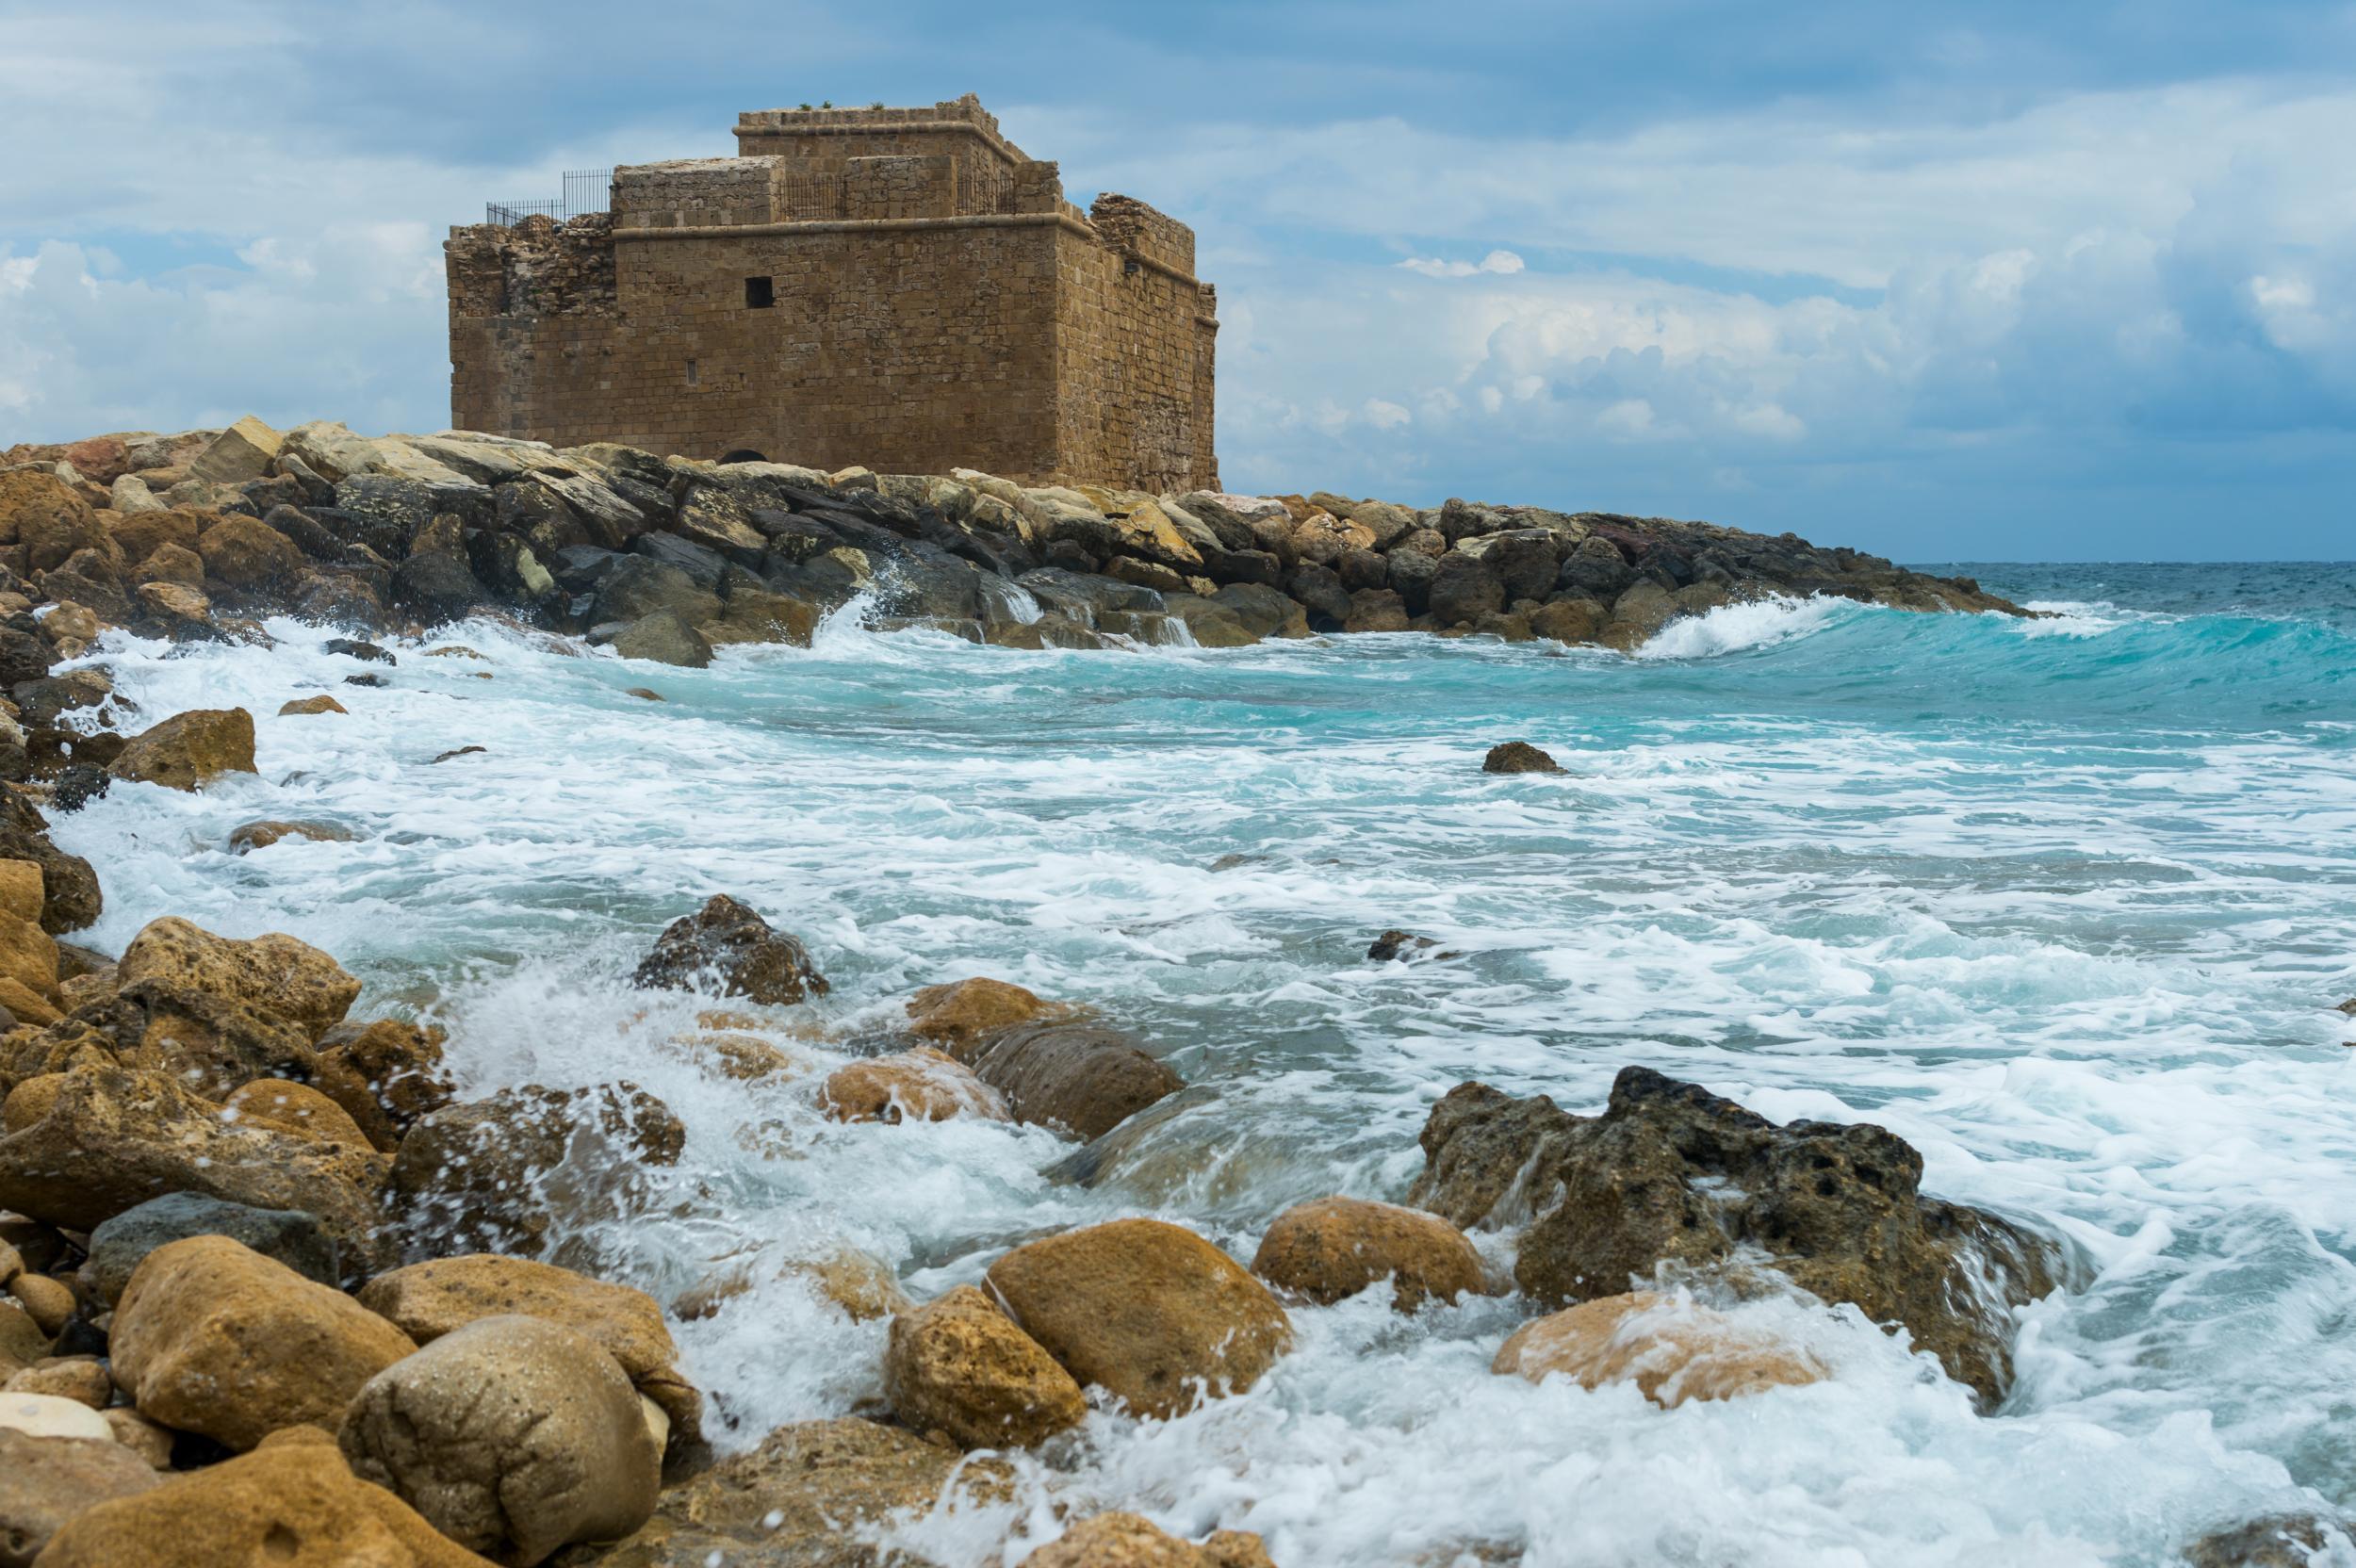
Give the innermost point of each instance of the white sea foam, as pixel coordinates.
(2085, 970)
(1752, 624)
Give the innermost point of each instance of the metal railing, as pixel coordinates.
(586, 190)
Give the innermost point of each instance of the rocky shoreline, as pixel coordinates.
(275, 1291)
(184, 535)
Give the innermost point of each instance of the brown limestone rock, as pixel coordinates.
(1334, 1247)
(28, 956)
(151, 1439)
(21, 889)
(292, 1505)
(427, 1300)
(956, 1366)
(922, 1084)
(1672, 1350)
(212, 1337)
(494, 1175)
(513, 1436)
(275, 973)
(189, 749)
(1077, 1075)
(386, 1074)
(799, 1499)
(90, 1143)
(296, 1108)
(46, 1481)
(1145, 1310)
(2276, 1540)
(1670, 1173)
(728, 943)
(261, 835)
(961, 1014)
(83, 1380)
(245, 552)
(45, 1300)
(1133, 1540)
(320, 704)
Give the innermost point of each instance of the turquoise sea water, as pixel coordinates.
(2067, 903)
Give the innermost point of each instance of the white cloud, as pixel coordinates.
(1502, 262)
(1384, 414)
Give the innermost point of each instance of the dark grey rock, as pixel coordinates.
(289, 1236)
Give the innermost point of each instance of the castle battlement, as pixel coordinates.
(897, 286)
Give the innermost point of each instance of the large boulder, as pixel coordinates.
(806, 1498)
(190, 750)
(292, 1505)
(212, 1337)
(513, 1436)
(386, 1074)
(1070, 1073)
(243, 451)
(1673, 1350)
(959, 1367)
(664, 638)
(1133, 1540)
(960, 1016)
(727, 947)
(427, 1300)
(1463, 588)
(496, 1174)
(83, 1146)
(45, 1481)
(636, 586)
(1334, 1247)
(1147, 1311)
(288, 1236)
(922, 1084)
(248, 553)
(1673, 1174)
(274, 973)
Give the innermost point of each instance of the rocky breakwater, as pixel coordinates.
(195, 534)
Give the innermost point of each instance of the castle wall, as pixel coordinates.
(899, 289)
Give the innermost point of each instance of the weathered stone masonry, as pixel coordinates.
(902, 289)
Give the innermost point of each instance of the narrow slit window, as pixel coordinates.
(760, 293)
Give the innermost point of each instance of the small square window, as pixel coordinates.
(760, 293)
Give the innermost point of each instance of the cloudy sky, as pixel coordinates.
(1996, 281)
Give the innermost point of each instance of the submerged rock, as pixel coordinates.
(958, 1365)
(1672, 1350)
(959, 1015)
(1672, 1175)
(728, 945)
(803, 1498)
(1334, 1247)
(1080, 1077)
(1150, 1312)
(2277, 1541)
(1133, 1540)
(922, 1084)
(190, 750)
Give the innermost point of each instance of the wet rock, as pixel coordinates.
(427, 1300)
(296, 1108)
(666, 639)
(190, 750)
(1673, 1350)
(1263, 611)
(1376, 609)
(44, 1482)
(728, 946)
(366, 652)
(1150, 1312)
(88, 1144)
(460, 751)
(386, 1074)
(287, 1236)
(859, 1284)
(2277, 1541)
(958, 1366)
(251, 836)
(513, 1436)
(1672, 1175)
(1076, 1075)
(1330, 1249)
(960, 1014)
(1570, 620)
(227, 1011)
(922, 1084)
(496, 1174)
(636, 586)
(320, 704)
(1392, 946)
(212, 1337)
(292, 1504)
(803, 1498)
(1133, 1540)
(1518, 756)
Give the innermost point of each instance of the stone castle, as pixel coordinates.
(897, 287)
